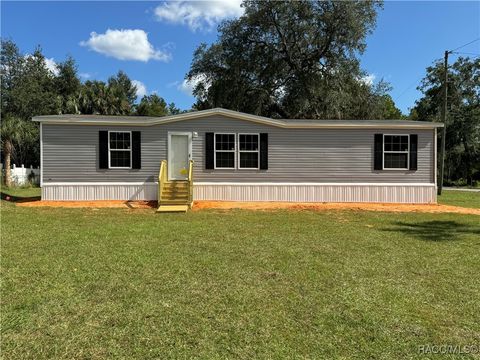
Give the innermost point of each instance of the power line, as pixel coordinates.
(409, 87)
(471, 42)
(466, 53)
(450, 52)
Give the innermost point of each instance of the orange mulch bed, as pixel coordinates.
(228, 205)
(429, 208)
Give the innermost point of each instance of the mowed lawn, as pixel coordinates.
(468, 199)
(132, 284)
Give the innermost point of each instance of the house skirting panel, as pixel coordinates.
(288, 192)
(383, 193)
(99, 191)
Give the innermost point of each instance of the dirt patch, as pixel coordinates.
(428, 208)
(229, 205)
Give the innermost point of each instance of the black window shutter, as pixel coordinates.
(378, 152)
(209, 151)
(264, 151)
(136, 150)
(413, 151)
(103, 149)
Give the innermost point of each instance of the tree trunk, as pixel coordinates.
(8, 154)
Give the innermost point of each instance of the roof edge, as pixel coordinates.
(298, 124)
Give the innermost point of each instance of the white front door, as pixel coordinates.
(179, 154)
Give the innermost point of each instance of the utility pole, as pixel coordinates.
(444, 120)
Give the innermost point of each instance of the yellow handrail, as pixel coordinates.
(162, 178)
(190, 182)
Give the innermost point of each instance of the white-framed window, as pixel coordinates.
(120, 149)
(248, 151)
(396, 151)
(224, 151)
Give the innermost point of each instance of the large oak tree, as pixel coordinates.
(291, 59)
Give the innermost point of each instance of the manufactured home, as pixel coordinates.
(225, 155)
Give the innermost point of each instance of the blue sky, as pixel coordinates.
(409, 36)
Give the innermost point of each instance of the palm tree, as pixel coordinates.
(12, 131)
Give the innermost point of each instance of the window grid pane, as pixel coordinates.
(120, 158)
(248, 146)
(395, 152)
(248, 142)
(225, 151)
(225, 159)
(225, 142)
(396, 143)
(247, 151)
(249, 160)
(119, 141)
(395, 161)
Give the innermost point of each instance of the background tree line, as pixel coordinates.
(282, 59)
(29, 88)
(462, 142)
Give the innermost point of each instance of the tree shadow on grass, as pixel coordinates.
(18, 199)
(435, 230)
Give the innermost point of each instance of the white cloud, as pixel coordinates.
(51, 65)
(198, 15)
(368, 79)
(125, 44)
(187, 86)
(85, 75)
(141, 88)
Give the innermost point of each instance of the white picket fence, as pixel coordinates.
(22, 175)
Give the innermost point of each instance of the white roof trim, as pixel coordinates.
(297, 124)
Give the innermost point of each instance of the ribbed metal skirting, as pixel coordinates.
(99, 192)
(418, 194)
(319, 193)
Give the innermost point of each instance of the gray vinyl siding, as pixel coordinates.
(70, 154)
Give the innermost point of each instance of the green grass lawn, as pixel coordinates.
(460, 198)
(117, 283)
